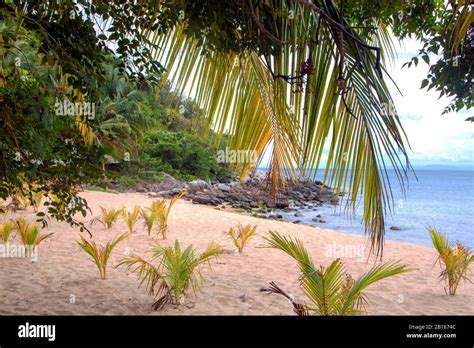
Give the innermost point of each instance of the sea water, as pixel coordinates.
(440, 198)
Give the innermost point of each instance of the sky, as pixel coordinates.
(434, 139)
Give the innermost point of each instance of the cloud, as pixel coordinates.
(433, 138)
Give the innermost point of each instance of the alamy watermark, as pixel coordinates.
(66, 108)
(236, 156)
(354, 251)
(10, 250)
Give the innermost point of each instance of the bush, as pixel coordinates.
(181, 154)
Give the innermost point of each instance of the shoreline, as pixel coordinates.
(232, 286)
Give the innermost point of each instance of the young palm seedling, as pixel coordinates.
(29, 233)
(453, 260)
(130, 218)
(161, 210)
(241, 235)
(6, 230)
(331, 290)
(100, 254)
(149, 217)
(171, 272)
(107, 217)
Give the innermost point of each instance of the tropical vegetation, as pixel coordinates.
(171, 272)
(130, 218)
(300, 80)
(241, 235)
(453, 260)
(108, 217)
(161, 212)
(331, 290)
(100, 254)
(6, 229)
(30, 234)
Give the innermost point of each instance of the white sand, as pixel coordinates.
(65, 281)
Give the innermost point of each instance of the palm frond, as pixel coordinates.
(130, 218)
(454, 261)
(174, 272)
(331, 289)
(100, 254)
(6, 229)
(149, 220)
(241, 235)
(343, 105)
(375, 274)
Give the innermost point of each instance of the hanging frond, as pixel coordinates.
(315, 88)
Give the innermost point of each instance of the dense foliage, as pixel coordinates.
(54, 59)
(244, 59)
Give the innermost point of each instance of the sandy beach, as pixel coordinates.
(63, 280)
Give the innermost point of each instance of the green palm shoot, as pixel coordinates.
(241, 235)
(100, 254)
(6, 230)
(30, 234)
(171, 272)
(330, 289)
(161, 210)
(453, 260)
(108, 216)
(149, 219)
(130, 218)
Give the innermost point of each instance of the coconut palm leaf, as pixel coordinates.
(30, 234)
(173, 273)
(6, 229)
(149, 219)
(331, 289)
(343, 106)
(130, 218)
(100, 254)
(457, 28)
(375, 274)
(241, 235)
(107, 217)
(454, 261)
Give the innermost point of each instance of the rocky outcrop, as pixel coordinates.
(251, 194)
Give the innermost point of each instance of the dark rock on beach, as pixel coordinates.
(252, 194)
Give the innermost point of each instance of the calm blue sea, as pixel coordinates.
(441, 198)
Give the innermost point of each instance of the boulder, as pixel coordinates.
(168, 183)
(177, 191)
(141, 187)
(223, 187)
(203, 199)
(198, 185)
